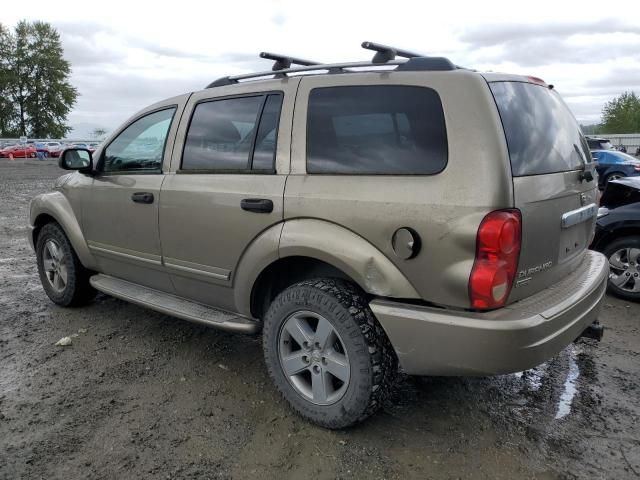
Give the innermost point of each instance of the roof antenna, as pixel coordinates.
(385, 53)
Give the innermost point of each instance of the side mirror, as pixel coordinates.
(76, 159)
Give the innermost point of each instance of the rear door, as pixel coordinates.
(548, 156)
(227, 188)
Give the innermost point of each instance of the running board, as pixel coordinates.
(173, 305)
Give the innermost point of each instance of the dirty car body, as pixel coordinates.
(260, 202)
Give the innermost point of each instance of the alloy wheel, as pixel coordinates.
(54, 265)
(313, 358)
(625, 272)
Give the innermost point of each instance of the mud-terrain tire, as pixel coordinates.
(359, 388)
(621, 253)
(63, 277)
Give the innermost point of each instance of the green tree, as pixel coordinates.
(8, 113)
(622, 114)
(37, 80)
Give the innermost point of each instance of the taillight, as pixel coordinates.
(497, 253)
(636, 167)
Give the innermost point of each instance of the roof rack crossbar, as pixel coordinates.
(282, 62)
(385, 53)
(385, 56)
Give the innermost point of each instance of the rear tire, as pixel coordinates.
(63, 277)
(624, 277)
(335, 318)
(613, 176)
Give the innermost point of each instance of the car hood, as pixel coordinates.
(621, 192)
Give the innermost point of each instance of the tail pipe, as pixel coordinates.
(594, 331)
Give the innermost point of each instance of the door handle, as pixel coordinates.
(258, 205)
(142, 197)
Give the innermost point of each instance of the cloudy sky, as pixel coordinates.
(128, 54)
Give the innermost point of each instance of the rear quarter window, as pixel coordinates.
(542, 134)
(377, 129)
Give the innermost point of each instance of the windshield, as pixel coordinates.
(542, 134)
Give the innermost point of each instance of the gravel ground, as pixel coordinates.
(142, 395)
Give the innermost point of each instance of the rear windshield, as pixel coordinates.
(599, 144)
(542, 134)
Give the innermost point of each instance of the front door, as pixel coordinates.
(226, 189)
(120, 214)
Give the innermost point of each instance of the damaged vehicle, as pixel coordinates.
(618, 236)
(363, 216)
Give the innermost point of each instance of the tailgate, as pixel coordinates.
(548, 156)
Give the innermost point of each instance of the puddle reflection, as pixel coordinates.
(569, 391)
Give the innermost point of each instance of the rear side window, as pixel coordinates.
(542, 134)
(233, 134)
(378, 129)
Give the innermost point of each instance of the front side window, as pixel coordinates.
(233, 134)
(378, 129)
(140, 147)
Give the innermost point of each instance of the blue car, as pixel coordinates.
(613, 164)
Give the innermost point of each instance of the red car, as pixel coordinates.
(54, 149)
(19, 151)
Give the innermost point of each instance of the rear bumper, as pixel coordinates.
(432, 341)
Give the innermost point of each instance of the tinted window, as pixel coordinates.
(600, 144)
(265, 151)
(376, 130)
(221, 133)
(542, 134)
(141, 145)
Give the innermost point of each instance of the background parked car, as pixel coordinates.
(599, 143)
(19, 151)
(54, 149)
(613, 165)
(618, 236)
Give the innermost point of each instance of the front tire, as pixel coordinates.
(63, 277)
(326, 352)
(624, 271)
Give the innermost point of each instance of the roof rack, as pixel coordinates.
(385, 56)
(385, 53)
(285, 61)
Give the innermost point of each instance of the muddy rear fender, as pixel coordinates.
(348, 252)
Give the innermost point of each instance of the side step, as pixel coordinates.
(173, 305)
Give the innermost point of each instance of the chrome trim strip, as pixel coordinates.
(128, 254)
(197, 269)
(580, 215)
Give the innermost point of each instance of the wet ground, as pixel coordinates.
(141, 395)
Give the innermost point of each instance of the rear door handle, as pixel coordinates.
(258, 205)
(142, 197)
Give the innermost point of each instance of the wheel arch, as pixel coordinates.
(614, 234)
(54, 207)
(301, 249)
